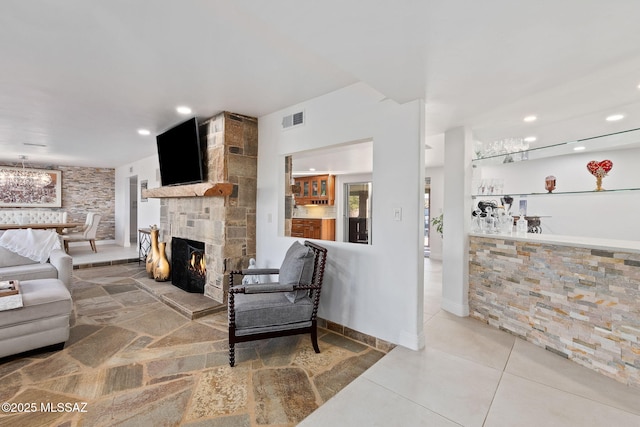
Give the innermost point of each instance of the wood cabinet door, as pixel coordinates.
(317, 190)
(314, 229)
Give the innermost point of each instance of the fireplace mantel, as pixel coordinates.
(203, 189)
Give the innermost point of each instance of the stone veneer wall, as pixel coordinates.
(85, 190)
(90, 190)
(581, 303)
(227, 225)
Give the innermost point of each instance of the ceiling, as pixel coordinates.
(79, 78)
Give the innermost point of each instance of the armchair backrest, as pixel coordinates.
(91, 225)
(319, 262)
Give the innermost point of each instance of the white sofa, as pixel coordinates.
(43, 321)
(32, 216)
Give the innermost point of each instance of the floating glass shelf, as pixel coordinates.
(618, 140)
(618, 190)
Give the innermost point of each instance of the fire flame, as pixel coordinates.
(197, 263)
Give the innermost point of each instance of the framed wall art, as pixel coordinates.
(34, 188)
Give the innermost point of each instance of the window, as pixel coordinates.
(315, 203)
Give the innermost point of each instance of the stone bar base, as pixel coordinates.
(581, 303)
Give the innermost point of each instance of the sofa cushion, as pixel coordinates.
(270, 309)
(41, 299)
(9, 258)
(296, 269)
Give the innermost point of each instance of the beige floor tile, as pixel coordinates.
(539, 365)
(455, 388)
(524, 403)
(469, 338)
(365, 403)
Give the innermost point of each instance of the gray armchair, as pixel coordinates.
(288, 307)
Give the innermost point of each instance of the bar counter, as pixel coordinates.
(577, 297)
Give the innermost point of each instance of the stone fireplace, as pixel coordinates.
(225, 222)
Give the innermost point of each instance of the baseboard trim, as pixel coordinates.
(461, 310)
(365, 339)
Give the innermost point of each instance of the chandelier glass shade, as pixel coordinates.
(24, 178)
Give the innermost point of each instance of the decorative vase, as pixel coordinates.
(161, 269)
(152, 257)
(599, 183)
(599, 170)
(550, 183)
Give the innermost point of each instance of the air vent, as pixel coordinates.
(292, 120)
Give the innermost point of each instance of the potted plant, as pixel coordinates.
(438, 223)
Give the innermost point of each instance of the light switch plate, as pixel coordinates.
(397, 214)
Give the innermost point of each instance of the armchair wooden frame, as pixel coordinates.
(313, 290)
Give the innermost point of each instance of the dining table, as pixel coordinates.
(58, 226)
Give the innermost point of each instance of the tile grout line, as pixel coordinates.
(502, 372)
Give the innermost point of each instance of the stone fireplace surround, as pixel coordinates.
(225, 223)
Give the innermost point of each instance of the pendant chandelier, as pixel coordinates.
(23, 178)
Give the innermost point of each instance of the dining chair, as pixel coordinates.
(88, 232)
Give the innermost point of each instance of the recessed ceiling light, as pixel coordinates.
(579, 148)
(144, 132)
(530, 119)
(615, 117)
(530, 139)
(183, 110)
(312, 169)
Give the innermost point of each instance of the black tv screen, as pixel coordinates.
(181, 154)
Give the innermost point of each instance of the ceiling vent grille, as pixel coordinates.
(292, 120)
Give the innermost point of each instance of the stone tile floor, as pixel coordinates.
(133, 360)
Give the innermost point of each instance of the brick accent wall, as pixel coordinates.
(227, 225)
(580, 303)
(85, 190)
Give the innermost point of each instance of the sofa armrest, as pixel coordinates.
(64, 264)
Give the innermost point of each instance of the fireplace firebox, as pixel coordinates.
(188, 265)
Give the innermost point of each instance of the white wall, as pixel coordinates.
(149, 211)
(612, 215)
(375, 289)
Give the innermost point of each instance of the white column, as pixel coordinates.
(457, 208)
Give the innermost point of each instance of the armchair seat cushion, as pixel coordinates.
(270, 310)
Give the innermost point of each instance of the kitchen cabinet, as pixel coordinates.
(315, 190)
(314, 228)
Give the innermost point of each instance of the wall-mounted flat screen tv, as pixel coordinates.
(182, 154)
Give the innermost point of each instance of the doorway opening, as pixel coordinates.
(133, 210)
(358, 212)
(427, 217)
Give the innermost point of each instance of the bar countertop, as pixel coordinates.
(580, 241)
